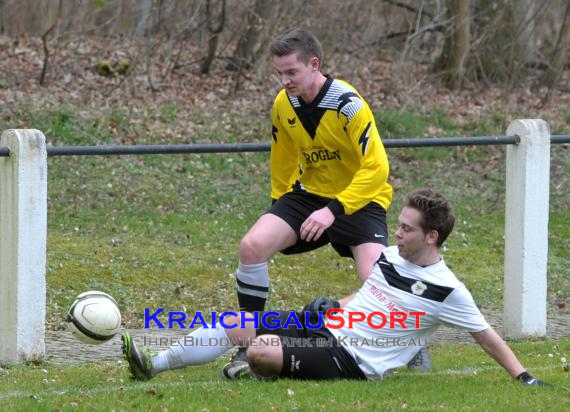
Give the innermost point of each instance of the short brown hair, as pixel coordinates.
(297, 40)
(436, 210)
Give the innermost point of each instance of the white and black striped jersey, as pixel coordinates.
(398, 285)
(330, 147)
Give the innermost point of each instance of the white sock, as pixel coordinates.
(252, 286)
(201, 346)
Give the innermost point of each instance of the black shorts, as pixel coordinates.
(363, 226)
(312, 353)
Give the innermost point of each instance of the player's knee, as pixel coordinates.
(249, 250)
(264, 360)
(258, 355)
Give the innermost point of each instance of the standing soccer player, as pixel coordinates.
(329, 173)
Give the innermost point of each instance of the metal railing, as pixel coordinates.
(265, 147)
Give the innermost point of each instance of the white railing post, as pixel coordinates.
(526, 229)
(23, 229)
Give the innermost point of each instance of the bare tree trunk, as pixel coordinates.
(143, 17)
(244, 54)
(119, 21)
(457, 45)
(524, 14)
(214, 31)
(560, 55)
(2, 12)
(44, 42)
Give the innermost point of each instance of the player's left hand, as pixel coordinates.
(527, 379)
(316, 224)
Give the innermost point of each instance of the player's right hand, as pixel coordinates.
(316, 224)
(321, 304)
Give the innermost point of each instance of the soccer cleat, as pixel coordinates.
(530, 380)
(238, 368)
(139, 360)
(421, 362)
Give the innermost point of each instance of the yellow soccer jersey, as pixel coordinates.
(330, 147)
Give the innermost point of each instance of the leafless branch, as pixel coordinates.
(408, 7)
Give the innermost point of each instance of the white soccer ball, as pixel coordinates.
(94, 317)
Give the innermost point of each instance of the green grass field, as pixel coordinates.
(163, 231)
(463, 378)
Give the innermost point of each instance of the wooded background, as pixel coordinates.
(466, 43)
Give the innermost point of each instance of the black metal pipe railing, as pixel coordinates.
(155, 149)
(265, 147)
(558, 139)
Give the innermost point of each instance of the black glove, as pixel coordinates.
(321, 304)
(528, 379)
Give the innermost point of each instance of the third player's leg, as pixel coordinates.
(365, 255)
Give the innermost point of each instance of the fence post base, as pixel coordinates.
(526, 229)
(23, 236)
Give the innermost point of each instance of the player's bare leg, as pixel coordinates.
(269, 235)
(365, 256)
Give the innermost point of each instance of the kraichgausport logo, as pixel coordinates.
(335, 319)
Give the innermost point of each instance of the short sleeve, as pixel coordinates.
(459, 311)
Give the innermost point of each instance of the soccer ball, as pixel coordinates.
(94, 317)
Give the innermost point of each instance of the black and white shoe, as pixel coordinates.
(238, 367)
